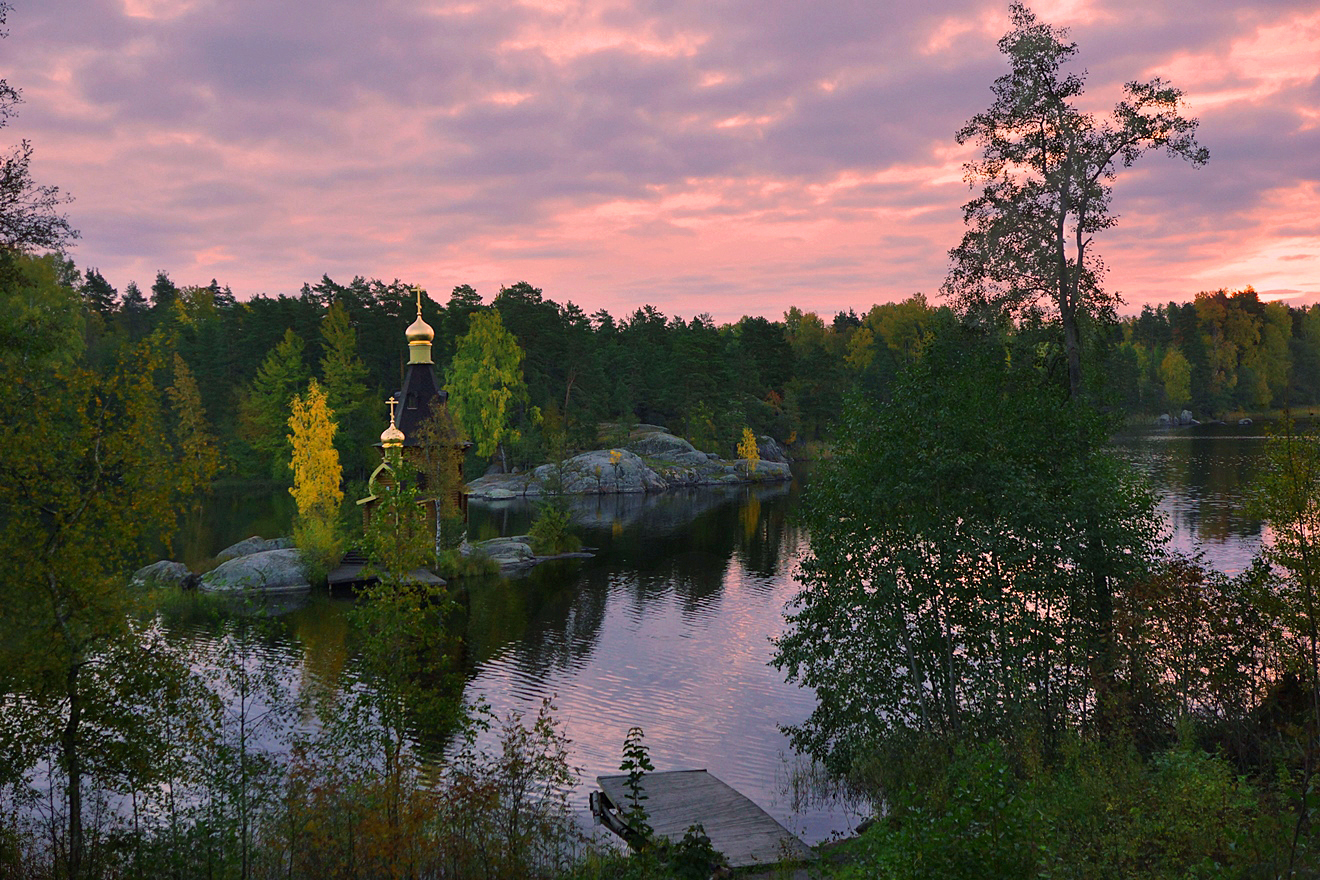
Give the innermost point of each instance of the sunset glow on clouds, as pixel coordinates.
(723, 157)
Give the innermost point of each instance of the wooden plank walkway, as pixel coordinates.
(745, 833)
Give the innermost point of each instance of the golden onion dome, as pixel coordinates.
(419, 331)
(420, 336)
(391, 437)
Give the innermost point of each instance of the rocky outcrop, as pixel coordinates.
(515, 552)
(267, 572)
(510, 552)
(668, 448)
(254, 544)
(600, 472)
(770, 449)
(1183, 419)
(163, 574)
(717, 472)
(652, 462)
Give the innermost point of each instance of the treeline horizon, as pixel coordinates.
(1221, 352)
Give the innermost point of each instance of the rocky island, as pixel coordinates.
(652, 460)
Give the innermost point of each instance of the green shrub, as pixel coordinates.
(1093, 811)
(550, 532)
(692, 858)
(322, 545)
(451, 564)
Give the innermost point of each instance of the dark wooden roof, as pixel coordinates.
(419, 393)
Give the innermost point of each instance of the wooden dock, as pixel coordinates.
(745, 833)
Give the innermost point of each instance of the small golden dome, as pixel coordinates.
(420, 335)
(391, 437)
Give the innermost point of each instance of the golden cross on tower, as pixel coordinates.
(418, 290)
(392, 402)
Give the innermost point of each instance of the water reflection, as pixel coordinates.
(669, 625)
(228, 515)
(1203, 476)
(649, 547)
(668, 628)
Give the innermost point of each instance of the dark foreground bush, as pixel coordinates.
(1094, 811)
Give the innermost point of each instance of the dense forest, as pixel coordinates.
(1221, 353)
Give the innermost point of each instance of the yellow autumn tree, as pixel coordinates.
(747, 449)
(1176, 374)
(316, 475)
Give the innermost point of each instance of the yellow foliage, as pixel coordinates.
(861, 348)
(1176, 374)
(747, 449)
(316, 474)
(315, 464)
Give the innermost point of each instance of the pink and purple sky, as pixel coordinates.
(699, 155)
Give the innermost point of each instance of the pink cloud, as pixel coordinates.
(699, 158)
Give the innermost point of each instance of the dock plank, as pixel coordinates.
(737, 827)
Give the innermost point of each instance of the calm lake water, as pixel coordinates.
(1202, 475)
(669, 626)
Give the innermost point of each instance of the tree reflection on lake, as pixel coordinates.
(1203, 475)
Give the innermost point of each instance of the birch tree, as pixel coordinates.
(1046, 173)
(486, 383)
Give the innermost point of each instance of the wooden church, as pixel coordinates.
(422, 434)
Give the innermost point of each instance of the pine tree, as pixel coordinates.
(98, 293)
(133, 312)
(164, 293)
(344, 377)
(196, 446)
(263, 411)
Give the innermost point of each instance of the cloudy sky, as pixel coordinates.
(723, 156)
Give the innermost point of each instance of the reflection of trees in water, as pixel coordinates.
(555, 612)
(1205, 476)
(227, 516)
(324, 634)
(772, 543)
(650, 548)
